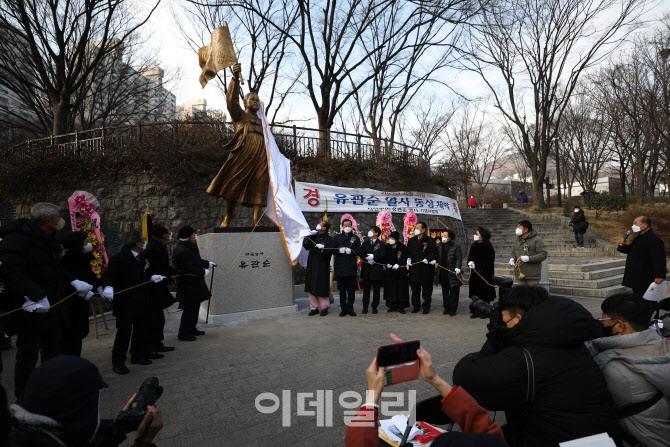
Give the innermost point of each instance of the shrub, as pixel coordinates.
(606, 203)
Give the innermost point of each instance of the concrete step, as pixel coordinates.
(601, 283)
(590, 293)
(597, 274)
(588, 267)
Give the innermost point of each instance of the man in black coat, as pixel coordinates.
(421, 248)
(191, 286)
(645, 262)
(346, 266)
(35, 279)
(536, 368)
(317, 276)
(124, 282)
(372, 271)
(160, 297)
(451, 257)
(579, 225)
(396, 293)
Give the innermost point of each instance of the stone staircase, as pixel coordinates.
(581, 272)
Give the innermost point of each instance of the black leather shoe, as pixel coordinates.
(352, 313)
(374, 310)
(163, 348)
(186, 338)
(155, 356)
(365, 310)
(343, 313)
(426, 311)
(313, 312)
(140, 361)
(198, 333)
(473, 316)
(415, 310)
(402, 311)
(452, 314)
(445, 311)
(121, 369)
(324, 312)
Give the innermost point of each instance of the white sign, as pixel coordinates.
(313, 197)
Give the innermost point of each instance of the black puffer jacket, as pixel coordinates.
(579, 223)
(571, 397)
(451, 257)
(346, 265)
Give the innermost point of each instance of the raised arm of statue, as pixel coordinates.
(233, 100)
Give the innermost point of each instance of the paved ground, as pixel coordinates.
(211, 385)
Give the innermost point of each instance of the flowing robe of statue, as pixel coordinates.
(244, 177)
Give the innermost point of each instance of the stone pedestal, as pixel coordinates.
(259, 283)
(544, 275)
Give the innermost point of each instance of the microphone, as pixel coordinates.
(628, 233)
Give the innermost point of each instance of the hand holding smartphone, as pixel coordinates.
(400, 361)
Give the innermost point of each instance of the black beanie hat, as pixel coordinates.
(66, 388)
(395, 235)
(185, 232)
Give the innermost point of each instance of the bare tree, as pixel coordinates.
(422, 125)
(543, 47)
(51, 51)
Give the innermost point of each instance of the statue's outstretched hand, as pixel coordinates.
(237, 69)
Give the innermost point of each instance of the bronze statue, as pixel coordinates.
(244, 177)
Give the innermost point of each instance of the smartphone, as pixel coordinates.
(400, 362)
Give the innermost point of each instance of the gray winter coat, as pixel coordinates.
(532, 246)
(636, 367)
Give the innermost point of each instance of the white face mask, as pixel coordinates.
(144, 246)
(519, 231)
(370, 234)
(445, 239)
(417, 232)
(576, 211)
(392, 241)
(476, 237)
(635, 229)
(60, 225)
(347, 230)
(318, 227)
(196, 238)
(88, 247)
(170, 237)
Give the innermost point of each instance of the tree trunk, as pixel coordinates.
(324, 137)
(61, 112)
(538, 192)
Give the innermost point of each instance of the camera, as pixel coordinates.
(482, 309)
(130, 419)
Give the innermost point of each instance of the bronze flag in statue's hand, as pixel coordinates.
(219, 54)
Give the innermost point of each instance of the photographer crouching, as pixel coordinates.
(60, 406)
(534, 367)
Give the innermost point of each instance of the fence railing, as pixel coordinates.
(294, 142)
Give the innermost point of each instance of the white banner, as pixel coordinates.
(313, 197)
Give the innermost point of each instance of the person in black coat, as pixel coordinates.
(317, 276)
(482, 258)
(191, 286)
(160, 297)
(372, 271)
(645, 262)
(422, 249)
(566, 396)
(346, 266)
(451, 257)
(579, 225)
(35, 279)
(77, 260)
(124, 283)
(396, 290)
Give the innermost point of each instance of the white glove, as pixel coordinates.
(108, 293)
(211, 265)
(100, 291)
(343, 250)
(320, 246)
(433, 262)
(81, 286)
(409, 262)
(425, 261)
(347, 251)
(395, 267)
(43, 306)
(313, 232)
(158, 278)
(525, 259)
(370, 256)
(471, 264)
(511, 262)
(206, 272)
(371, 262)
(89, 295)
(388, 266)
(30, 305)
(458, 271)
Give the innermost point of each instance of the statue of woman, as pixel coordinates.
(244, 177)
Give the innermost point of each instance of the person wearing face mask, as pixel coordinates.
(346, 266)
(645, 262)
(481, 258)
(77, 260)
(160, 297)
(372, 272)
(421, 249)
(579, 225)
(635, 361)
(125, 273)
(451, 257)
(191, 286)
(317, 275)
(535, 367)
(529, 251)
(35, 278)
(396, 290)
